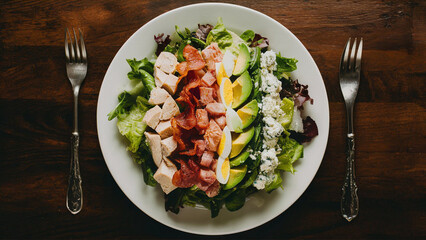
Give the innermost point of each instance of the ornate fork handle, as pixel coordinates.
(74, 193)
(349, 202)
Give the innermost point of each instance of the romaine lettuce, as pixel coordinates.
(220, 35)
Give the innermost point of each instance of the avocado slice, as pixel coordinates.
(248, 113)
(243, 60)
(239, 141)
(236, 175)
(241, 89)
(240, 159)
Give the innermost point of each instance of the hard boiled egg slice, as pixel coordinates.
(225, 144)
(222, 170)
(233, 120)
(220, 72)
(229, 62)
(226, 92)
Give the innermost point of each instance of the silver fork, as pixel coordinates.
(76, 64)
(349, 75)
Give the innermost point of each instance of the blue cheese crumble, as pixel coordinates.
(272, 112)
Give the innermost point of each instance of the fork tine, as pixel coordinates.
(71, 46)
(358, 56)
(345, 54)
(77, 48)
(83, 48)
(67, 50)
(352, 59)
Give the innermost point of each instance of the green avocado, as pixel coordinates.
(243, 60)
(248, 113)
(239, 141)
(236, 175)
(241, 89)
(240, 159)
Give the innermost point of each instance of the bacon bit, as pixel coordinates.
(186, 176)
(193, 57)
(202, 118)
(177, 134)
(198, 149)
(186, 119)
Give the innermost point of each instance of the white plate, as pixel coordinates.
(260, 207)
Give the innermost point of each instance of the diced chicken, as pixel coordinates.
(212, 55)
(171, 83)
(158, 96)
(170, 109)
(208, 79)
(213, 136)
(206, 95)
(221, 121)
(202, 118)
(164, 175)
(152, 117)
(216, 109)
(164, 129)
(168, 145)
(154, 141)
(166, 62)
(207, 159)
(160, 77)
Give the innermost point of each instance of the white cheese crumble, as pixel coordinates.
(272, 112)
(297, 122)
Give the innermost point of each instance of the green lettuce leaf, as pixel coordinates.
(276, 183)
(125, 100)
(291, 151)
(143, 64)
(130, 124)
(247, 36)
(220, 35)
(284, 66)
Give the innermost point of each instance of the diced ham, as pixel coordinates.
(152, 117)
(213, 136)
(193, 57)
(212, 55)
(207, 176)
(170, 109)
(164, 175)
(213, 166)
(213, 190)
(166, 62)
(168, 145)
(207, 159)
(216, 109)
(198, 149)
(208, 79)
(216, 93)
(200, 73)
(206, 95)
(154, 141)
(221, 121)
(158, 96)
(202, 118)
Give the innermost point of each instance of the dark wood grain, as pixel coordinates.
(36, 120)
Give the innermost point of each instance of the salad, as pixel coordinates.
(214, 117)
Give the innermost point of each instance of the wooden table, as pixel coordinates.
(36, 120)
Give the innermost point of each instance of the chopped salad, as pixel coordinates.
(214, 117)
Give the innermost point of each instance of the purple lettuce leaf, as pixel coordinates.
(161, 43)
(202, 31)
